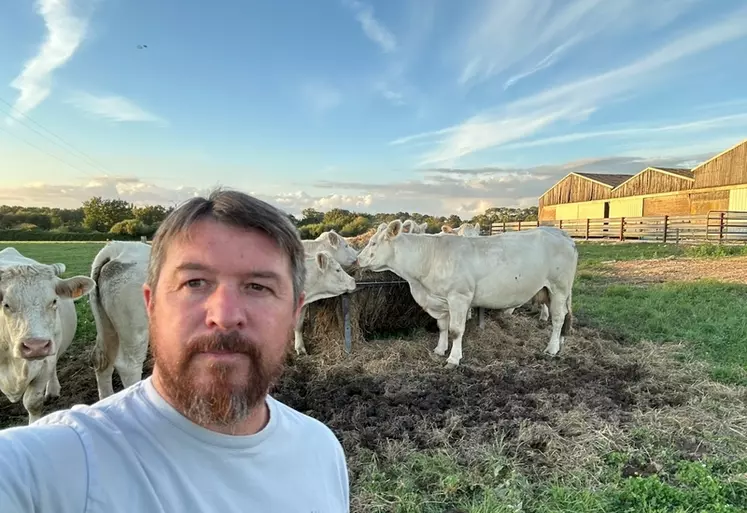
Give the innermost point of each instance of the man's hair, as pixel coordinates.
(236, 209)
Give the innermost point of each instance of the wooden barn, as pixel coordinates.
(719, 183)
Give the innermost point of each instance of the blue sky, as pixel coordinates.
(428, 106)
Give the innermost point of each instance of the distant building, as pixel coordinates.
(717, 184)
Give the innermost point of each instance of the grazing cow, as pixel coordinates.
(410, 226)
(38, 322)
(118, 306)
(447, 275)
(334, 244)
(324, 278)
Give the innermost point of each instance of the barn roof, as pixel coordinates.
(609, 180)
(679, 171)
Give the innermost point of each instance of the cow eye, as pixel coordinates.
(54, 302)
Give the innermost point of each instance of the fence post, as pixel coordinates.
(519, 228)
(560, 226)
(666, 225)
(538, 223)
(504, 226)
(721, 227)
(346, 317)
(622, 228)
(587, 228)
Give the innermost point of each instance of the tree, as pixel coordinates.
(100, 214)
(150, 215)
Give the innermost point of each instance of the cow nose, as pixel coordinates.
(32, 348)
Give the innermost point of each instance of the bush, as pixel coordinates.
(43, 235)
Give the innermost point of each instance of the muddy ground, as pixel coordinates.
(397, 392)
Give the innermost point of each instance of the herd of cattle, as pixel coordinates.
(449, 273)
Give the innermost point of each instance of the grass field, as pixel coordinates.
(644, 411)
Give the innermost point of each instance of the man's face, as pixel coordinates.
(220, 321)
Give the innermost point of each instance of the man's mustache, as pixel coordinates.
(232, 342)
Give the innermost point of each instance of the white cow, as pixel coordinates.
(410, 226)
(447, 275)
(38, 322)
(465, 230)
(334, 244)
(324, 278)
(118, 306)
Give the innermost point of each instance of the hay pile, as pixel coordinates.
(375, 312)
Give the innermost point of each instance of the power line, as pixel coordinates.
(69, 146)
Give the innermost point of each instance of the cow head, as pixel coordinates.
(29, 303)
(379, 251)
(339, 248)
(408, 226)
(332, 278)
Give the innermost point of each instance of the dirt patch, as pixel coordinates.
(728, 269)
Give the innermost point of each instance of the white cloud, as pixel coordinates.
(438, 191)
(113, 108)
(574, 101)
(372, 27)
(65, 33)
(321, 97)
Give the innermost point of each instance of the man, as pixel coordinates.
(202, 434)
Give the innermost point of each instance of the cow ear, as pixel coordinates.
(322, 260)
(58, 268)
(394, 229)
(75, 287)
(381, 228)
(445, 228)
(334, 239)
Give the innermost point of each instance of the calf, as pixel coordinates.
(335, 245)
(38, 322)
(324, 278)
(118, 306)
(447, 275)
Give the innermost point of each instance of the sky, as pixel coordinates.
(430, 106)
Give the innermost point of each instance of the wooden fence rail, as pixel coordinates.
(715, 226)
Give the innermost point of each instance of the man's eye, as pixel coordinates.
(257, 287)
(195, 283)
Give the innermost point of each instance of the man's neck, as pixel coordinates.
(257, 419)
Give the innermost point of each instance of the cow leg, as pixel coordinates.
(33, 397)
(104, 381)
(544, 312)
(558, 309)
(53, 384)
(457, 320)
(134, 349)
(298, 332)
(443, 335)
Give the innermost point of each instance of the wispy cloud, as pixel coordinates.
(321, 97)
(113, 108)
(574, 101)
(65, 33)
(512, 34)
(372, 27)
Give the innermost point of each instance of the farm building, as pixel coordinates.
(719, 183)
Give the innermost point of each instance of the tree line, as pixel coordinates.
(100, 219)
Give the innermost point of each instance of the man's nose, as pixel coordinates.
(225, 309)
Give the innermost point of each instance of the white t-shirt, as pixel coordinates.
(134, 453)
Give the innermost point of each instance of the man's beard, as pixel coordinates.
(222, 403)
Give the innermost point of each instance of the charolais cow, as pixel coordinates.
(410, 226)
(447, 275)
(334, 244)
(118, 306)
(465, 230)
(38, 322)
(324, 278)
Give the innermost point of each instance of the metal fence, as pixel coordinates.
(716, 226)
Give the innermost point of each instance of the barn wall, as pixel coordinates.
(738, 200)
(547, 213)
(574, 189)
(591, 210)
(730, 168)
(651, 182)
(626, 207)
(670, 205)
(567, 211)
(703, 202)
